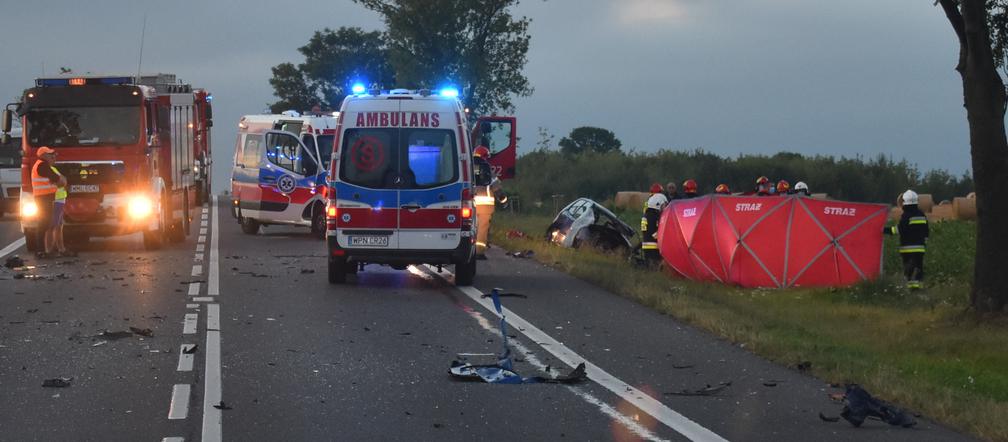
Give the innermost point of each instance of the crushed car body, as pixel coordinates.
(585, 222)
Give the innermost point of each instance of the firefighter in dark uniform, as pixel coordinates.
(913, 232)
(649, 224)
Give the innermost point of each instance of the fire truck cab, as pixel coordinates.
(280, 168)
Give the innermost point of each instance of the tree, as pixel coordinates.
(476, 45)
(334, 60)
(590, 139)
(974, 23)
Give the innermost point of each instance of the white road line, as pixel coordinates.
(179, 402)
(189, 327)
(201, 239)
(203, 299)
(173, 439)
(185, 360)
(213, 317)
(195, 306)
(12, 247)
(202, 231)
(204, 215)
(197, 269)
(212, 392)
(213, 282)
(193, 288)
(199, 247)
(198, 257)
(653, 407)
(203, 223)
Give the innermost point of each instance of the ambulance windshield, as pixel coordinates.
(83, 126)
(386, 158)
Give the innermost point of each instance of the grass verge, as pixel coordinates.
(919, 350)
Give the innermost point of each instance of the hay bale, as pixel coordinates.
(964, 208)
(924, 201)
(895, 214)
(631, 200)
(942, 213)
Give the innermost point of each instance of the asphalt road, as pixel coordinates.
(286, 356)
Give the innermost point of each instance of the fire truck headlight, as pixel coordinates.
(29, 209)
(140, 206)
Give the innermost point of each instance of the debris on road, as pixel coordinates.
(515, 234)
(57, 382)
(221, 406)
(709, 390)
(99, 343)
(507, 295)
(306, 271)
(804, 366)
(142, 331)
(860, 405)
(190, 349)
(14, 262)
(521, 254)
(114, 335)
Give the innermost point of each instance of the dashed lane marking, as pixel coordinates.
(653, 407)
(202, 231)
(189, 327)
(179, 402)
(197, 270)
(193, 288)
(201, 239)
(173, 439)
(203, 299)
(213, 317)
(195, 306)
(185, 360)
(198, 257)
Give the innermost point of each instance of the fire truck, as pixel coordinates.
(135, 152)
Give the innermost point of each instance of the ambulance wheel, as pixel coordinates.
(31, 240)
(465, 272)
(249, 226)
(337, 269)
(318, 223)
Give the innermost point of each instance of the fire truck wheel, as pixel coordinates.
(31, 240)
(465, 272)
(337, 269)
(249, 226)
(154, 239)
(318, 224)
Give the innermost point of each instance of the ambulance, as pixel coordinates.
(401, 185)
(280, 167)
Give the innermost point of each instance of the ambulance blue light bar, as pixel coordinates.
(358, 88)
(449, 92)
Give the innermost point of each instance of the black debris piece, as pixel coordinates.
(770, 383)
(142, 331)
(190, 349)
(306, 271)
(14, 261)
(709, 390)
(222, 406)
(804, 366)
(522, 254)
(860, 405)
(113, 335)
(57, 382)
(508, 295)
(681, 367)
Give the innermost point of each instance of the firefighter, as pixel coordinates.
(763, 186)
(671, 192)
(913, 232)
(649, 224)
(801, 188)
(783, 187)
(45, 183)
(486, 185)
(722, 189)
(689, 188)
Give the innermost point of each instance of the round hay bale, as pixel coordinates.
(895, 214)
(971, 195)
(964, 208)
(631, 200)
(942, 213)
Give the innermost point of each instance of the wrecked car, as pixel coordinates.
(585, 222)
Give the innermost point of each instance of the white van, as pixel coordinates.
(400, 189)
(280, 167)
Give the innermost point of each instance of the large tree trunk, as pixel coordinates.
(984, 95)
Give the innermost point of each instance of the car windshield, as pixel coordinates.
(399, 158)
(83, 126)
(10, 153)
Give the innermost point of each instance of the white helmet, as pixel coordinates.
(801, 186)
(909, 197)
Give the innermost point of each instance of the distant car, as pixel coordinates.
(587, 223)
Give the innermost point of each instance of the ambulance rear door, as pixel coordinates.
(430, 195)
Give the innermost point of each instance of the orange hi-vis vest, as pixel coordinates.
(40, 184)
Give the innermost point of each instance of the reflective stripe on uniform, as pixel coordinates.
(894, 230)
(649, 245)
(914, 284)
(643, 224)
(912, 249)
(917, 220)
(40, 184)
(61, 192)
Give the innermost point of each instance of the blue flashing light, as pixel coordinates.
(115, 80)
(358, 88)
(53, 82)
(449, 92)
(209, 98)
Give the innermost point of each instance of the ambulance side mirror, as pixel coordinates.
(8, 121)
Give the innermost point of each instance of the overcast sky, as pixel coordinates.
(730, 76)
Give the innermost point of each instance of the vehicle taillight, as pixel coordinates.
(466, 211)
(331, 210)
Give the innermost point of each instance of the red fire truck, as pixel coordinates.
(136, 154)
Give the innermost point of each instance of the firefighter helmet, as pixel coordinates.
(689, 186)
(909, 197)
(762, 180)
(482, 152)
(656, 188)
(801, 187)
(783, 187)
(722, 189)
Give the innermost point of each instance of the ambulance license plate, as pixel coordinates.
(83, 188)
(369, 241)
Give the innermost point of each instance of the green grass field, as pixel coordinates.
(922, 350)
